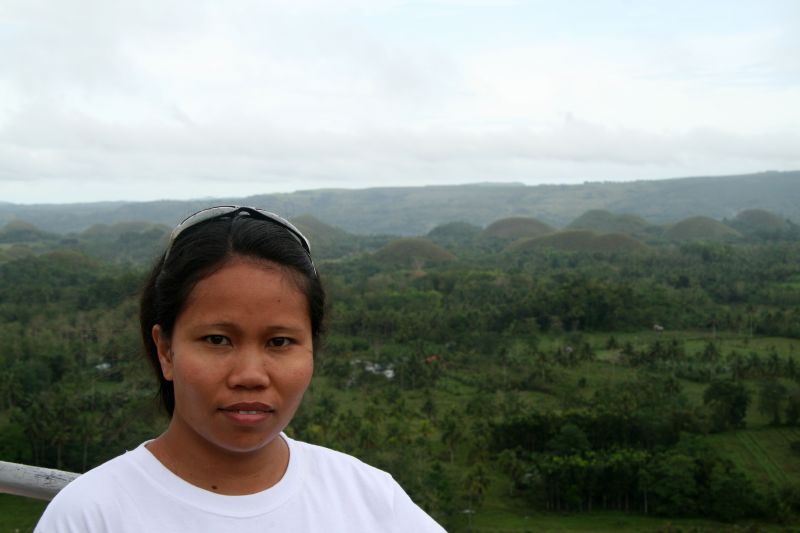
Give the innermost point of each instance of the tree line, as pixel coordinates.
(469, 381)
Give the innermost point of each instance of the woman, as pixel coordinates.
(230, 317)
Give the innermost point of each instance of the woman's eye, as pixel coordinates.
(280, 342)
(217, 340)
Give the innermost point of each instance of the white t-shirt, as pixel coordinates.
(322, 490)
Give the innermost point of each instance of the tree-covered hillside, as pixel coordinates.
(499, 383)
(411, 211)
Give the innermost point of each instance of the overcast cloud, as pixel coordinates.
(104, 100)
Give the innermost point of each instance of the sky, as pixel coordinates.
(153, 99)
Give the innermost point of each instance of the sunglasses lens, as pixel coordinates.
(224, 210)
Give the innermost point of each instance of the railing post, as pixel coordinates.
(33, 481)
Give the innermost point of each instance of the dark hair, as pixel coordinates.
(201, 250)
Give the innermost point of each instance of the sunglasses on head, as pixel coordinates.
(221, 211)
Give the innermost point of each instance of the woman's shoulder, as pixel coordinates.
(320, 462)
(84, 501)
(348, 484)
(107, 474)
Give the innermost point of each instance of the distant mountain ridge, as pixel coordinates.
(417, 210)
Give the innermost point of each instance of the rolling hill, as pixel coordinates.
(418, 210)
(700, 229)
(579, 241)
(516, 228)
(603, 221)
(412, 253)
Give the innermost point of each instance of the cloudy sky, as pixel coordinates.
(146, 99)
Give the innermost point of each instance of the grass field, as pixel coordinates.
(695, 342)
(19, 515)
(764, 453)
(501, 521)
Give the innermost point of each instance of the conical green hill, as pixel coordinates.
(20, 231)
(516, 228)
(454, 233)
(602, 221)
(700, 229)
(759, 220)
(317, 231)
(412, 253)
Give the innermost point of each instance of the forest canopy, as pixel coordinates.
(484, 373)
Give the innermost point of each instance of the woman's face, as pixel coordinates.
(240, 357)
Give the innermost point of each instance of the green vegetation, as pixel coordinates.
(412, 253)
(602, 221)
(507, 387)
(755, 220)
(700, 229)
(579, 241)
(18, 514)
(414, 211)
(765, 453)
(516, 228)
(329, 242)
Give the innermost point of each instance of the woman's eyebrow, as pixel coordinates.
(233, 325)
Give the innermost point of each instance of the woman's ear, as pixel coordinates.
(164, 348)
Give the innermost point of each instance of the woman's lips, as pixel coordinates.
(247, 413)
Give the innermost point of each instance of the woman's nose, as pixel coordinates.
(249, 369)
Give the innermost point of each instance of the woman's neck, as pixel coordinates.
(201, 463)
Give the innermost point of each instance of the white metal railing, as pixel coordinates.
(33, 481)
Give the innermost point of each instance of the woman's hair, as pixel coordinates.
(197, 251)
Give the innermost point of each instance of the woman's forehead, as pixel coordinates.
(243, 286)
